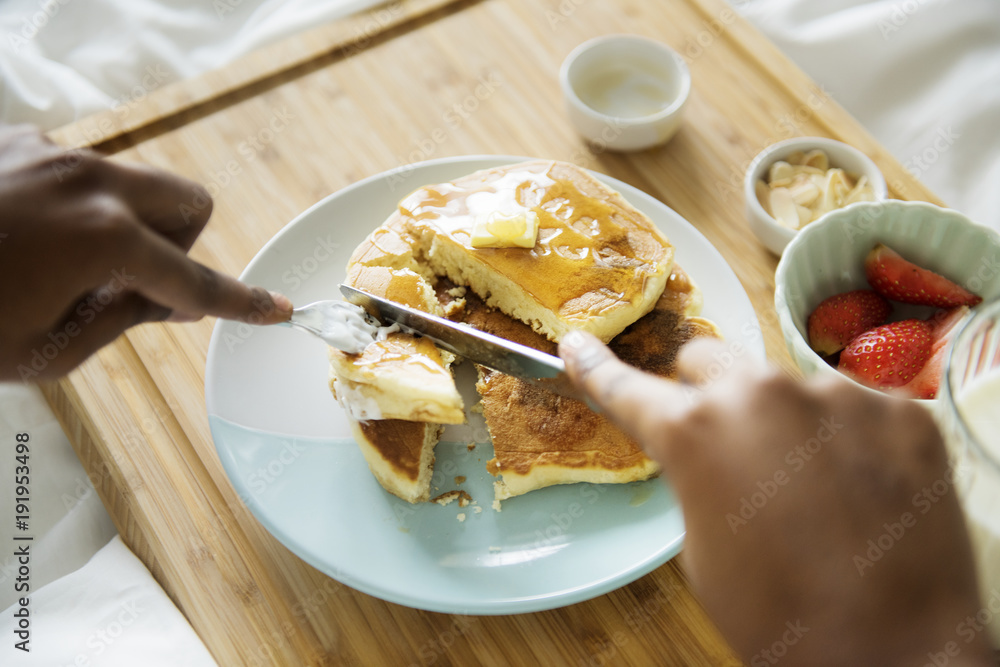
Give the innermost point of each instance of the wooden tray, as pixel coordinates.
(277, 131)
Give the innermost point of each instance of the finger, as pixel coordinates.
(704, 361)
(156, 268)
(167, 276)
(174, 206)
(95, 322)
(641, 404)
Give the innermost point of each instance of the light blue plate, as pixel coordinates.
(287, 449)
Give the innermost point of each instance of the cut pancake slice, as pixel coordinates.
(400, 455)
(398, 376)
(553, 440)
(541, 439)
(399, 390)
(598, 264)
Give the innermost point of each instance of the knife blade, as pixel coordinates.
(527, 363)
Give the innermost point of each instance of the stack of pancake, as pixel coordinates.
(596, 264)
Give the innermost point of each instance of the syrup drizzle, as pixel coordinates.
(590, 257)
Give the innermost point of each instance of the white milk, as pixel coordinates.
(979, 404)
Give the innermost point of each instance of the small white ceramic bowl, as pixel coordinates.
(827, 257)
(776, 236)
(625, 92)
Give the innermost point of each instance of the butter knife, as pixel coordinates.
(500, 354)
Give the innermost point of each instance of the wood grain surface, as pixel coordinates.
(273, 134)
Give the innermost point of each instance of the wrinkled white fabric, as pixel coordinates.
(61, 60)
(921, 75)
(110, 612)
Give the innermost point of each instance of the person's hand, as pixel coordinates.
(91, 247)
(821, 521)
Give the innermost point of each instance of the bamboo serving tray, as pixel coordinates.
(277, 131)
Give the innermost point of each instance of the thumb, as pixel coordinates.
(640, 404)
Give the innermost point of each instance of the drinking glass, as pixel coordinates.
(969, 411)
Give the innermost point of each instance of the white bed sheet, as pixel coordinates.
(921, 75)
(64, 59)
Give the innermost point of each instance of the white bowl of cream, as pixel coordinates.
(625, 92)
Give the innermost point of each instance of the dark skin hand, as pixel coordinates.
(91, 247)
(833, 466)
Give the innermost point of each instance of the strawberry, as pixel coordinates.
(837, 320)
(888, 356)
(944, 325)
(895, 278)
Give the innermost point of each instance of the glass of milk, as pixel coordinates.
(970, 419)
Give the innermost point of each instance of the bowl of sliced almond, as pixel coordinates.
(796, 182)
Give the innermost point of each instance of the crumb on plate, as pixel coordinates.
(447, 497)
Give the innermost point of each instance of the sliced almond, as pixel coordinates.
(783, 208)
(778, 171)
(805, 215)
(793, 174)
(861, 192)
(807, 169)
(803, 190)
(818, 159)
(835, 191)
(798, 158)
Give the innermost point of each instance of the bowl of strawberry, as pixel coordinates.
(874, 292)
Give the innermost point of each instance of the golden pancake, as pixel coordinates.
(598, 264)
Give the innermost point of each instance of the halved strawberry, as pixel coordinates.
(888, 356)
(896, 278)
(838, 319)
(944, 325)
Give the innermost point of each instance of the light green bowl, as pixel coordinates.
(827, 257)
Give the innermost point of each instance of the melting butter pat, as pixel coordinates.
(503, 230)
